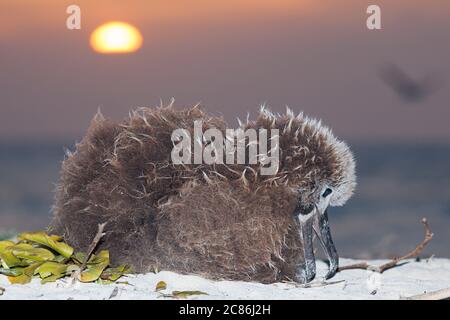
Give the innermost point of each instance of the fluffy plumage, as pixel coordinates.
(221, 221)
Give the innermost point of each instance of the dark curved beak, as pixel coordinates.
(324, 235)
(317, 221)
(307, 270)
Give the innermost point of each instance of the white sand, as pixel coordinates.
(405, 281)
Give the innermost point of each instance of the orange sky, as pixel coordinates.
(232, 55)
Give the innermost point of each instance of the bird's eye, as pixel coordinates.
(327, 192)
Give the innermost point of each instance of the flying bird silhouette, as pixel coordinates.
(409, 89)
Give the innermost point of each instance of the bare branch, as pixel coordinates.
(435, 295)
(314, 284)
(91, 249)
(93, 245)
(361, 265)
(414, 253)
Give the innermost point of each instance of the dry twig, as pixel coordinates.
(93, 245)
(314, 284)
(435, 295)
(414, 253)
(91, 249)
(318, 284)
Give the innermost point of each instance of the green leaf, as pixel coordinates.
(22, 251)
(115, 273)
(79, 257)
(161, 285)
(29, 271)
(95, 267)
(34, 254)
(72, 268)
(9, 260)
(22, 279)
(102, 281)
(60, 259)
(185, 294)
(52, 278)
(46, 240)
(50, 268)
(5, 244)
(98, 258)
(21, 246)
(15, 272)
(55, 237)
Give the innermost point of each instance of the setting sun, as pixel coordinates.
(116, 37)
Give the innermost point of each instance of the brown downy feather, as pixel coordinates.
(222, 221)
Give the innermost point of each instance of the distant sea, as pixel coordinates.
(397, 186)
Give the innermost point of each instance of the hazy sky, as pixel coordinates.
(233, 55)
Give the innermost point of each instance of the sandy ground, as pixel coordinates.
(410, 279)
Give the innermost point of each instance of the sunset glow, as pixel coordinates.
(116, 37)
